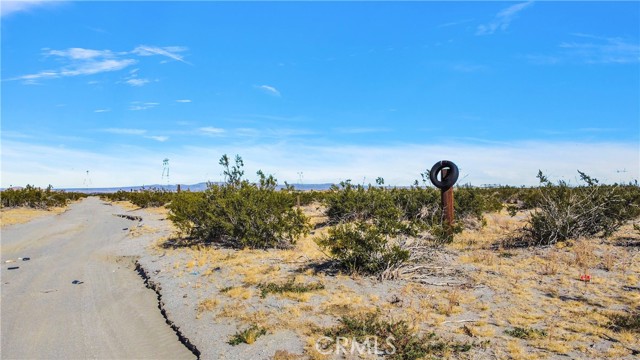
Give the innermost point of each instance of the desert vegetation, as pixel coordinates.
(543, 272)
(37, 198)
(145, 198)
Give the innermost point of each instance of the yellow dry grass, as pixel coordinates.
(12, 216)
(531, 288)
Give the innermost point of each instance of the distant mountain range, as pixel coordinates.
(183, 187)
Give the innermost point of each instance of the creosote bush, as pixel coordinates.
(394, 338)
(143, 198)
(370, 224)
(239, 213)
(289, 286)
(37, 198)
(625, 321)
(565, 212)
(363, 247)
(248, 335)
(526, 333)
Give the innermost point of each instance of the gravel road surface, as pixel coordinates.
(76, 298)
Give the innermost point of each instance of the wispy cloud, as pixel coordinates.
(90, 67)
(172, 52)
(158, 138)
(124, 131)
(137, 82)
(80, 53)
(602, 50)
(210, 130)
(81, 61)
(267, 89)
(503, 19)
(590, 49)
(454, 23)
(361, 130)
(183, 101)
(138, 105)
(101, 110)
(11, 7)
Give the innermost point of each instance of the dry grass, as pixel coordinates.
(536, 288)
(23, 215)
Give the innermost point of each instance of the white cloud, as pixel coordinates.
(590, 49)
(124, 131)
(81, 61)
(158, 138)
(210, 130)
(503, 19)
(602, 50)
(454, 23)
(269, 90)
(183, 101)
(171, 52)
(80, 53)
(101, 110)
(11, 7)
(137, 82)
(515, 163)
(82, 68)
(137, 105)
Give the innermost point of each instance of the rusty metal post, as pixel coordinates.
(178, 188)
(447, 202)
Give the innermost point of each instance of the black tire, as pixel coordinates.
(449, 180)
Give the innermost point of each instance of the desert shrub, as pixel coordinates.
(142, 198)
(473, 202)
(565, 212)
(248, 335)
(369, 223)
(35, 197)
(289, 286)
(625, 321)
(240, 214)
(362, 247)
(394, 338)
(526, 333)
(304, 198)
(349, 202)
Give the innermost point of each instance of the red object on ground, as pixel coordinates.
(585, 277)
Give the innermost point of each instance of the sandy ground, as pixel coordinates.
(472, 291)
(78, 295)
(12, 216)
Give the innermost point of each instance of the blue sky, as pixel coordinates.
(331, 90)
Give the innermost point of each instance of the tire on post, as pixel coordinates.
(449, 180)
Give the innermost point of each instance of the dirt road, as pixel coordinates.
(74, 298)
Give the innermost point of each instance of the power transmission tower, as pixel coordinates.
(87, 180)
(165, 169)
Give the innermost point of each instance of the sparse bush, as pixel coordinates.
(142, 198)
(247, 336)
(37, 198)
(564, 212)
(396, 339)
(526, 333)
(289, 286)
(363, 247)
(239, 213)
(625, 321)
(370, 223)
